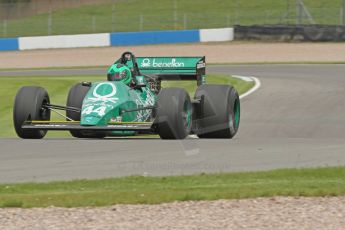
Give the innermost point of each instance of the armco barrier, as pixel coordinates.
(116, 39)
(9, 44)
(154, 37)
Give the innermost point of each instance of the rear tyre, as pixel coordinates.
(219, 115)
(75, 99)
(29, 105)
(173, 114)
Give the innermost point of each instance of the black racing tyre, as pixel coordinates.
(75, 99)
(28, 105)
(173, 114)
(219, 114)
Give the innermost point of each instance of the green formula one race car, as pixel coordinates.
(132, 102)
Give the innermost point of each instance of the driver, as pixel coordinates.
(120, 72)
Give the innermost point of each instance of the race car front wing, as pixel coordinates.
(72, 125)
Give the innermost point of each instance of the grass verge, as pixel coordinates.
(153, 190)
(146, 15)
(58, 88)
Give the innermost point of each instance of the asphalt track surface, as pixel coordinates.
(296, 119)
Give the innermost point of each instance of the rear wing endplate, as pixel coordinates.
(174, 68)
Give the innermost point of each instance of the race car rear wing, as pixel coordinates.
(174, 68)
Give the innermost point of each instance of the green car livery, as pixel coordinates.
(132, 102)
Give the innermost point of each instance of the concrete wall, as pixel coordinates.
(154, 37)
(216, 35)
(64, 41)
(7, 44)
(117, 39)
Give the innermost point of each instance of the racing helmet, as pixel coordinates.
(119, 72)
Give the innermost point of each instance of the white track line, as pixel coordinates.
(252, 90)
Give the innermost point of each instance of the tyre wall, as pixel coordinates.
(308, 33)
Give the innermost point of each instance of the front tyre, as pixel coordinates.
(173, 114)
(29, 105)
(219, 115)
(75, 99)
